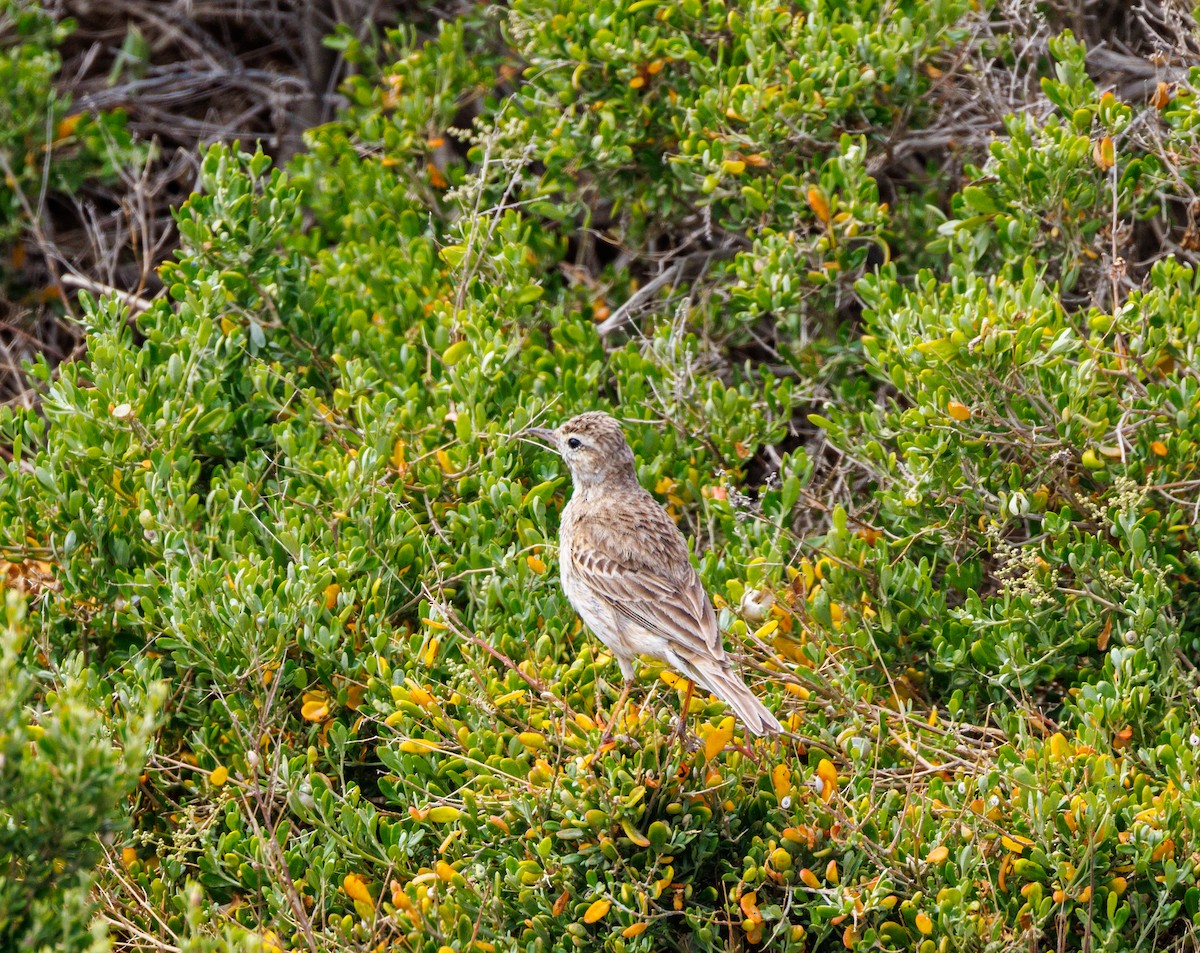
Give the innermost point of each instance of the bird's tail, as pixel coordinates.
(723, 682)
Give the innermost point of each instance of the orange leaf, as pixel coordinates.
(937, 855)
(436, 177)
(634, 929)
(958, 411)
(819, 204)
(781, 780)
(1103, 154)
(356, 889)
(597, 910)
(1159, 448)
(331, 594)
(67, 124)
(561, 903)
(1161, 96)
(924, 924)
(827, 779)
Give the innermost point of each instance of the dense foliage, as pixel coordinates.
(275, 542)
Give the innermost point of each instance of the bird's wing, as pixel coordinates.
(633, 556)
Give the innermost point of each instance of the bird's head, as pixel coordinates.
(593, 447)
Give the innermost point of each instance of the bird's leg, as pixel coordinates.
(615, 711)
(681, 725)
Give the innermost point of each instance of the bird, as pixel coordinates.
(624, 567)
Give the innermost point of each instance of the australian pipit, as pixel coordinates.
(625, 568)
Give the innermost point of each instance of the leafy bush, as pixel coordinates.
(293, 489)
(67, 760)
(42, 144)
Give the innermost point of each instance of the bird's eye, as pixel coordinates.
(574, 443)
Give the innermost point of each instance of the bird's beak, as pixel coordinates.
(543, 434)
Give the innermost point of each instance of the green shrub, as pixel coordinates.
(293, 488)
(69, 756)
(43, 144)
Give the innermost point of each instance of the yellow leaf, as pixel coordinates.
(831, 872)
(766, 628)
(1015, 844)
(356, 889)
(958, 411)
(809, 878)
(220, 774)
(637, 82)
(420, 696)
(443, 869)
(398, 461)
(1059, 746)
(443, 459)
(924, 924)
(271, 943)
(331, 594)
(129, 856)
(596, 911)
(781, 780)
(718, 738)
(734, 166)
(634, 929)
(672, 680)
(531, 740)
(535, 564)
(633, 833)
(1103, 154)
(445, 814)
(418, 746)
(937, 855)
(315, 710)
(819, 205)
(827, 778)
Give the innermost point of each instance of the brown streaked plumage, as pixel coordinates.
(625, 568)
